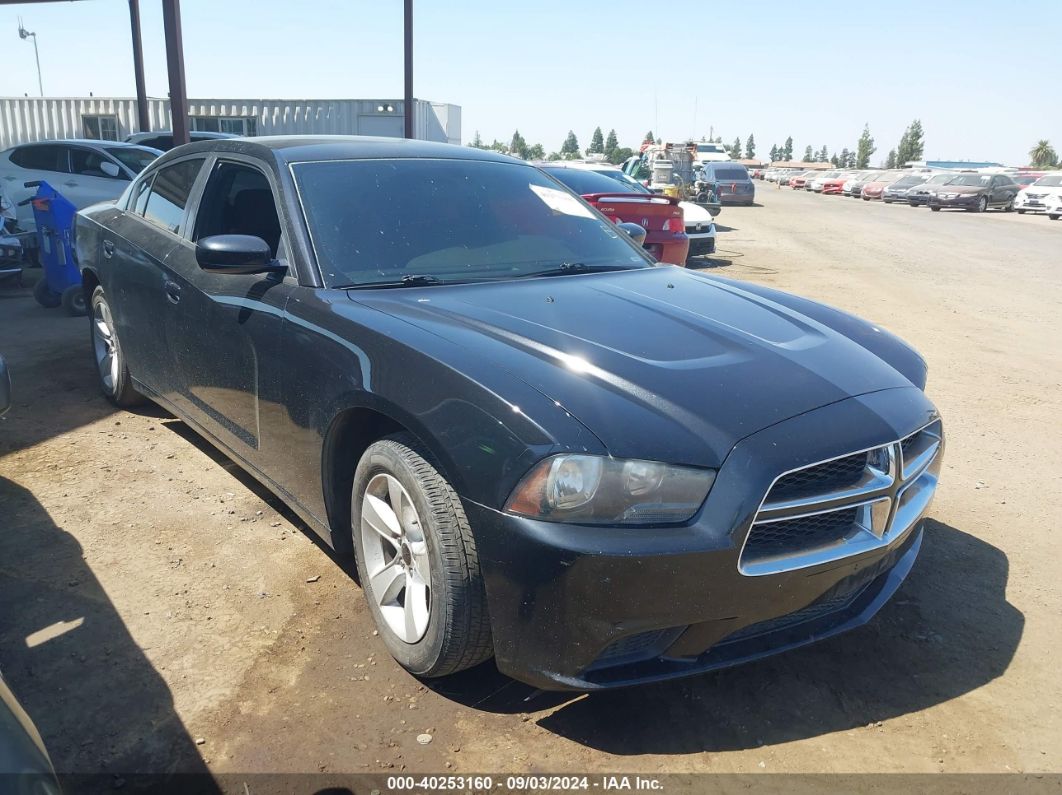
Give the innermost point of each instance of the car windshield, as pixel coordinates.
(941, 179)
(449, 221)
(586, 182)
(1050, 181)
(135, 158)
(627, 183)
(906, 182)
(972, 180)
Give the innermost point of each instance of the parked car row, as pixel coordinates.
(972, 191)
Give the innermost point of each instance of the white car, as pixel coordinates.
(84, 171)
(711, 153)
(700, 225)
(1043, 196)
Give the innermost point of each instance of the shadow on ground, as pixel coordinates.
(949, 630)
(100, 705)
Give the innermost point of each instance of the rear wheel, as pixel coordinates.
(935, 209)
(44, 295)
(417, 561)
(1053, 216)
(115, 381)
(1009, 207)
(1021, 212)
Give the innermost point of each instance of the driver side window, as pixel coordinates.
(238, 200)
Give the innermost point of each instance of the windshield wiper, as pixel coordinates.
(567, 268)
(409, 280)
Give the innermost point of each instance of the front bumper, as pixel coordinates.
(585, 608)
(701, 244)
(1033, 206)
(965, 200)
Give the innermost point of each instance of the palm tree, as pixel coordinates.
(1043, 154)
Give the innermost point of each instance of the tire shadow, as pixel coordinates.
(98, 702)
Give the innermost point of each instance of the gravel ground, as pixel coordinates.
(159, 611)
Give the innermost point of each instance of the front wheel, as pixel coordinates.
(935, 209)
(982, 205)
(1053, 216)
(1021, 212)
(417, 561)
(114, 379)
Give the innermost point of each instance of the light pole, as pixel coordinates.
(25, 34)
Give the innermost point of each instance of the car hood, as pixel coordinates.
(695, 214)
(961, 189)
(659, 363)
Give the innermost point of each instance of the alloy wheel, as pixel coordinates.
(396, 557)
(105, 346)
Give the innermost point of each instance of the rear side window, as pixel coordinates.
(731, 174)
(41, 158)
(169, 194)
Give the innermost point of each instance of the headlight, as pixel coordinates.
(589, 489)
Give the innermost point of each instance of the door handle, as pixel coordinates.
(108, 248)
(172, 290)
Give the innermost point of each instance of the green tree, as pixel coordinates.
(774, 152)
(865, 148)
(597, 142)
(735, 149)
(750, 147)
(823, 156)
(518, 146)
(477, 141)
(787, 150)
(611, 144)
(570, 148)
(843, 159)
(498, 146)
(554, 156)
(1043, 155)
(809, 155)
(835, 161)
(536, 152)
(890, 161)
(619, 154)
(912, 144)
(648, 139)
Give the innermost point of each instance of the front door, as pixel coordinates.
(225, 334)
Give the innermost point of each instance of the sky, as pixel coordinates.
(980, 75)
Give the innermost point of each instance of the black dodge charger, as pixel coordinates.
(538, 444)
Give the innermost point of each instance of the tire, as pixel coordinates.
(1054, 216)
(982, 205)
(74, 301)
(455, 632)
(1020, 212)
(113, 374)
(1009, 207)
(935, 209)
(44, 295)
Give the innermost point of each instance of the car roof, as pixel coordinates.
(80, 141)
(302, 148)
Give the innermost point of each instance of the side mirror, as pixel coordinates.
(636, 232)
(236, 254)
(110, 169)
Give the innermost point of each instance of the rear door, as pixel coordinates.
(47, 161)
(225, 329)
(135, 247)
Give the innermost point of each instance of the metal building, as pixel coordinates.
(24, 119)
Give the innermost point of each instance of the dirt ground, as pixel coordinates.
(159, 611)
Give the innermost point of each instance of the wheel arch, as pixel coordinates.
(349, 434)
(90, 280)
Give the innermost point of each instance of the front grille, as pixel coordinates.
(830, 476)
(634, 648)
(796, 535)
(844, 506)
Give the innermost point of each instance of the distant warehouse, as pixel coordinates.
(25, 119)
